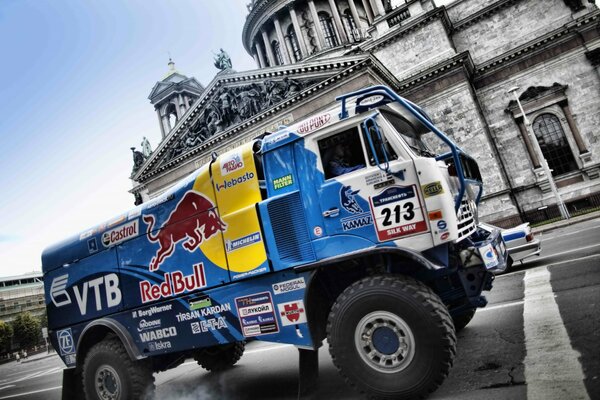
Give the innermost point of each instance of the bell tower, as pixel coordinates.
(172, 97)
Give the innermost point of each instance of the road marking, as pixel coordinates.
(28, 393)
(551, 365)
(567, 252)
(38, 374)
(6, 387)
(562, 235)
(490, 308)
(556, 264)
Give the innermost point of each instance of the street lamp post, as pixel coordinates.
(561, 205)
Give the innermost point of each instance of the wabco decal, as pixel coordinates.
(232, 163)
(174, 283)
(229, 183)
(194, 218)
(232, 245)
(120, 234)
(292, 313)
(158, 334)
(397, 212)
(112, 294)
(313, 124)
(261, 306)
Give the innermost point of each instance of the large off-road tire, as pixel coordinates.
(462, 320)
(219, 358)
(109, 373)
(391, 337)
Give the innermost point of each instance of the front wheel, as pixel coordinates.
(391, 337)
(109, 373)
(219, 358)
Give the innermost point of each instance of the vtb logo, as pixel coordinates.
(194, 218)
(112, 294)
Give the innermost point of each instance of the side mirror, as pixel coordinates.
(376, 143)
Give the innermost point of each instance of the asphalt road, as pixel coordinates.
(538, 338)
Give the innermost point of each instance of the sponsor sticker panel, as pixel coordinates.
(289, 286)
(292, 313)
(253, 306)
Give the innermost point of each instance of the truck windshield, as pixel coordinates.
(409, 134)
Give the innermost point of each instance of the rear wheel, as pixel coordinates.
(391, 337)
(218, 358)
(109, 373)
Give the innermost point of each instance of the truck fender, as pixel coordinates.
(371, 251)
(114, 327)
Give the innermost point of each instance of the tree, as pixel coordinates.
(27, 329)
(6, 333)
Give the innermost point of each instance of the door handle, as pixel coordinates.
(332, 212)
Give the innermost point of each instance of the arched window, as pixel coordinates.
(350, 25)
(291, 33)
(331, 39)
(554, 145)
(277, 52)
(171, 113)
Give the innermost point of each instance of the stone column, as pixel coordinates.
(259, 52)
(160, 122)
(573, 126)
(282, 47)
(178, 108)
(530, 149)
(270, 55)
(298, 31)
(368, 11)
(182, 103)
(377, 6)
(316, 25)
(338, 22)
(354, 13)
(256, 60)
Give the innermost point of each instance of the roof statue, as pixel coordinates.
(222, 60)
(146, 148)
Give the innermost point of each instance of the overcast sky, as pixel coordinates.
(74, 99)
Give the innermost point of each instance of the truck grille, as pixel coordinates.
(290, 229)
(466, 218)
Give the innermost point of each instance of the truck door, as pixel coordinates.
(370, 188)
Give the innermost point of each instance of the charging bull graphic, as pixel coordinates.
(194, 218)
(348, 201)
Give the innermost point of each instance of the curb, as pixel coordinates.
(563, 223)
(32, 359)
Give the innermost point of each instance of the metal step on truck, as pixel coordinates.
(344, 226)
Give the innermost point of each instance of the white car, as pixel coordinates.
(520, 241)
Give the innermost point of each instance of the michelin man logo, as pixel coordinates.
(348, 201)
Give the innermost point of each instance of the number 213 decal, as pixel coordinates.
(405, 212)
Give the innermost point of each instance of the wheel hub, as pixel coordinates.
(108, 384)
(384, 341)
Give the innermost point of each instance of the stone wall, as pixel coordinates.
(425, 46)
(511, 27)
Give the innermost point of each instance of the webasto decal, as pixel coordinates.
(229, 183)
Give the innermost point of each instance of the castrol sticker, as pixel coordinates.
(120, 234)
(397, 212)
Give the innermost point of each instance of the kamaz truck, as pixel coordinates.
(344, 227)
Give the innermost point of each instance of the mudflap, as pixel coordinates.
(308, 371)
(72, 386)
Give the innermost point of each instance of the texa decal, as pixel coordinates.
(194, 218)
(348, 201)
(112, 294)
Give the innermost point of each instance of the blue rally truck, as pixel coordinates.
(343, 226)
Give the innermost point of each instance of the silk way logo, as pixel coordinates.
(349, 201)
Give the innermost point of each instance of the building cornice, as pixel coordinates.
(484, 13)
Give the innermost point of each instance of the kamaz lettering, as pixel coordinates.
(174, 283)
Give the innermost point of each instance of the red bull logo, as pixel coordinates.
(194, 219)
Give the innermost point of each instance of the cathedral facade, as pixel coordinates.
(459, 62)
